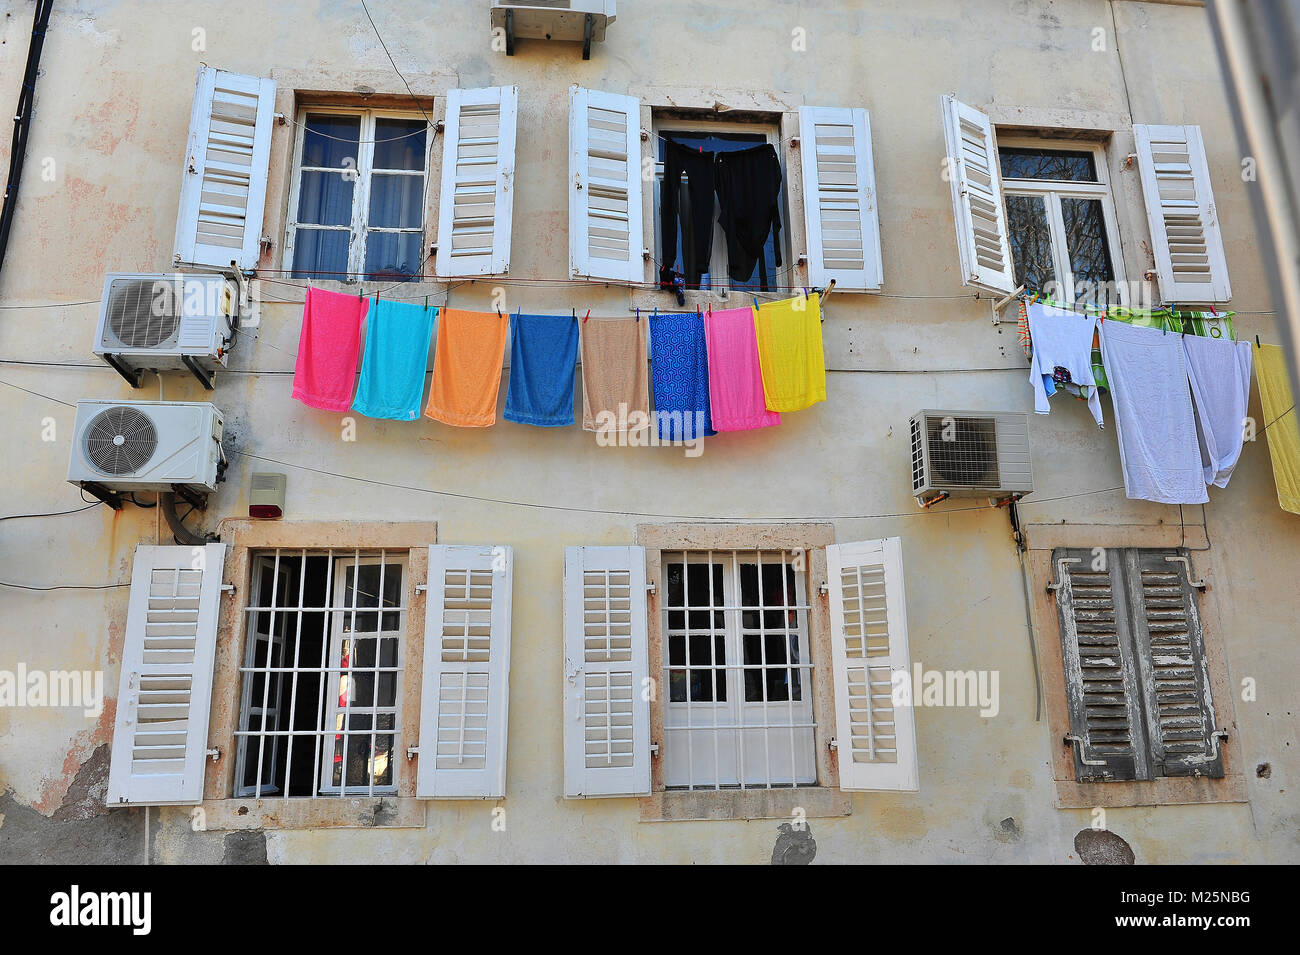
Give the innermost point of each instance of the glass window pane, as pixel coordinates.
(1058, 164)
(1031, 242)
(325, 198)
(366, 594)
(395, 202)
(1085, 240)
(399, 143)
(321, 252)
(393, 256)
(331, 141)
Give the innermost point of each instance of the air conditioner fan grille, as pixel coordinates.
(120, 440)
(143, 313)
(963, 451)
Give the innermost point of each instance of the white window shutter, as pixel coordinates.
(1185, 236)
(977, 205)
(160, 736)
(223, 189)
(476, 205)
(605, 223)
(464, 703)
(839, 198)
(606, 673)
(875, 729)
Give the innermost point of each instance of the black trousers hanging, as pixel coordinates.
(749, 200)
(694, 213)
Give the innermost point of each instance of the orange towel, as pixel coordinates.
(615, 377)
(467, 368)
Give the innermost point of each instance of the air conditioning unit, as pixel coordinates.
(583, 20)
(157, 321)
(970, 454)
(146, 445)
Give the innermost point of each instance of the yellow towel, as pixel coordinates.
(1280, 423)
(790, 353)
(467, 368)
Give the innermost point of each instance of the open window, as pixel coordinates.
(357, 199)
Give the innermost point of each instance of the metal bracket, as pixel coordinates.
(412, 752)
(824, 589)
(204, 377)
(134, 376)
(198, 501)
(228, 588)
(588, 25)
(1060, 572)
(1214, 743)
(1078, 742)
(421, 588)
(510, 32)
(650, 588)
(213, 754)
(1001, 303)
(1198, 584)
(832, 743)
(654, 750)
(111, 498)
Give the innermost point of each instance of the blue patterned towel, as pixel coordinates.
(679, 367)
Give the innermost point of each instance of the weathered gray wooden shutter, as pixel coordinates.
(1101, 674)
(1174, 675)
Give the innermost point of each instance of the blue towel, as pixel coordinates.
(679, 366)
(395, 360)
(543, 354)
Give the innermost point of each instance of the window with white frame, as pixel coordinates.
(1061, 220)
(713, 269)
(357, 203)
(321, 677)
(738, 707)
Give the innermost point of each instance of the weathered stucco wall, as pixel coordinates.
(112, 112)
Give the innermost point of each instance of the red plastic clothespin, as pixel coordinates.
(587, 316)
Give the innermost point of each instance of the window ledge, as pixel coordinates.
(325, 812)
(685, 805)
(1167, 791)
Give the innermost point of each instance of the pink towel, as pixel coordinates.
(326, 373)
(735, 379)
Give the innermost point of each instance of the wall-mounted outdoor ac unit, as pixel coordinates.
(970, 454)
(146, 445)
(156, 321)
(583, 20)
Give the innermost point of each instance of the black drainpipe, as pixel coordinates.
(23, 121)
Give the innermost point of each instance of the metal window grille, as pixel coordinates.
(738, 708)
(321, 678)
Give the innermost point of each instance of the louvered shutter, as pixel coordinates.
(160, 735)
(476, 206)
(977, 198)
(605, 224)
(875, 731)
(606, 673)
(1185, 237)
(223, 190)
(1175, 676)
(839, 198)
(465, 695)
(1100, 667)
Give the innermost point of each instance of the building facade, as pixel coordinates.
(757, 648)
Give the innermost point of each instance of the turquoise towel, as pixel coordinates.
(543, 353)
(395, 361)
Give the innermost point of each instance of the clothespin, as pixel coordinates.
(426, 303)
(1257, 344)
(587, 316)
(638, 315)
(361, 292)
(756, 303)
(499, 315)
(574, 311)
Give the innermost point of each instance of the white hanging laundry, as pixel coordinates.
(1158, 450)
(1062, 340)
(1219, 371)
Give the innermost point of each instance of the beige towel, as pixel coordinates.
(615, 379)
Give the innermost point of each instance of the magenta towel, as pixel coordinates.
(326, 373)
(735, 379)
